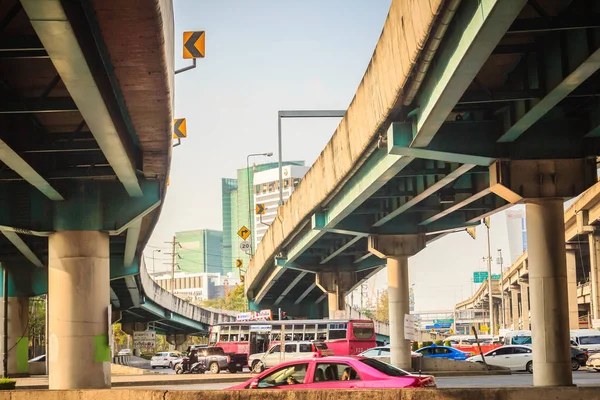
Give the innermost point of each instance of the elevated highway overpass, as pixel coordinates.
(86, 111)
(465, 109)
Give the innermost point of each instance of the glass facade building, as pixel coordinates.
(238, 210)
(199, 251)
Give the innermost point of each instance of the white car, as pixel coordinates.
(165, 359)
(383, 352)
(515, 357)
(125, 352)
(594, 362)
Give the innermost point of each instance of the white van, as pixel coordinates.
(518, 337)
(588, 339)
(293, 351)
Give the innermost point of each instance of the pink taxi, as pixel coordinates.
(336, 373)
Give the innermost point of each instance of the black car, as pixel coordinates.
(578, 358)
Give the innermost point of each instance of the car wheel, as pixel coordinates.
(153, 367)
(529, 367)
(232, 370)
(574, 364)
(258, 366)
(170, 364)
(214, 368)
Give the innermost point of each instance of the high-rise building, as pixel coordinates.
(517, 232)
(266, 192)
(199, 251)
(238, 211)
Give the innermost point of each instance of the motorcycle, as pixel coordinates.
(195, 368)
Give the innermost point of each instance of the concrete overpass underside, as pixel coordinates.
(465, 110)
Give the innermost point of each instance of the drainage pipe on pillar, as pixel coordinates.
(5, 327)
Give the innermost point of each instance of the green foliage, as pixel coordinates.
(427, 344)
(119, 334)
(383, 314)
(7, 384)
(447, 343)
(415, 346)
(439, 342)
(37, 324)
(235, 301)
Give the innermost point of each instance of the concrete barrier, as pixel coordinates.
(37, 368)
(571, 393)
(446, 367)
(116, 369)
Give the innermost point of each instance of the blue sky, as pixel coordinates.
(264, 56)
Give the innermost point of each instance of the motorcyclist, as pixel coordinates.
(190, 360)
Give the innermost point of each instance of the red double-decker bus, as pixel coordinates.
(344, 337)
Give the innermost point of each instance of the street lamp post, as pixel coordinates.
(269, 154)
(299, 114)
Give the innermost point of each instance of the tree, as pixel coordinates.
(382, 313)
(37, 325)
(235, 301)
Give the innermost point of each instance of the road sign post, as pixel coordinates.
(244, 233)
(260, 209)
(239, 263)
(245, 247)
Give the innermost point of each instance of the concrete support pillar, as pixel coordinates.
(397, 249)
(572, 286)
(506, 309)
(79, 292)
(18, 342)
(548, 284)
(594, 239)
(176, 339)
(336, 284)
(524, 306)
(398, 298)
(514, 294)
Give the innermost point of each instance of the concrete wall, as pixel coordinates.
(378, 96)
(571, 393)
(116, 369)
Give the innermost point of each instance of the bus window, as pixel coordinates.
(309, 336)
(322, 332)
(337, 331)
(224, 338)
(234, 333)
(288, 337)
(363, 331)
(214, 336)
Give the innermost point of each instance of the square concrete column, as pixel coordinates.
(336, 284)
(507, 312)
(594, 239)
(572, 285)
(397, 249)
(524, 306)
(549, 299)
(514, 293)
(79, 293)
(18, 341)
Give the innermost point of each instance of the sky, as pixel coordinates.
(267, 55)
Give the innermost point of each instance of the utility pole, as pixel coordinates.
(173, 266)
(489, 268)
(5, 327)
(500, 261)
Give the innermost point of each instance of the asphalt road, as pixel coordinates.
(581, 378)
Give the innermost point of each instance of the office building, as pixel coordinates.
(238, 211)
(517, 233)
(196, 286)
(199, 251)
(266, 192)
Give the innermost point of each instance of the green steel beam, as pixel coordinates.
(364, 257)
(9, 157)
(457, 206)
(477, 30)
(307, 240)
(33, 106)
(66, 174)
(16, 240)
(290, 287)
(588, 20)
(586, 69)
(56, 33)
(306, 293)
(282, 262)
(131, 242)
(426, 193)
(341, 249)
(269, 283)
(484, 96)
